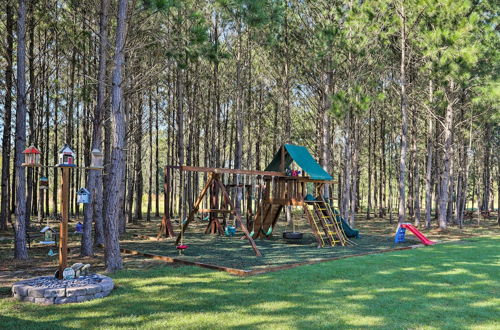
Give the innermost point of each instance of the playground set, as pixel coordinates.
(263, 194)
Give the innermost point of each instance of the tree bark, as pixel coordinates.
(32, 106)
(346, 191)
(238, 150)
(118, 128)
(157, 157)
(150, 178)
(404, 122)
(20, 250)
(445, 176)
(370, 153)
(428, 169)
(7, 126)
(93, 211)
(139, 186)
(485, 198)
(415, 171)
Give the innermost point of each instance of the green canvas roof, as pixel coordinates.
(303, 158)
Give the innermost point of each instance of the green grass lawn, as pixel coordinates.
(454, 285)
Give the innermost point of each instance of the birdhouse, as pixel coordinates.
(31, 157)
(48, 235)
(66, 156)
(43, 182)
(83, 196)
(97, 160)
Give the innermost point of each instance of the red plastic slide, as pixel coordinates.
(417, 233)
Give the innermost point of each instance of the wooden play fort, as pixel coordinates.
(259, 198)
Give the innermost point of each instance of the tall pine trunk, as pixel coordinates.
(6, 143)
(139, 186)
(117, 169)
(93, 211)
(485, 198)
(20, 250)
(445, 176)
(428, 169)
(150, 178)
(404, 122)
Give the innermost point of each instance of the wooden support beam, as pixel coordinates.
(214, 211)
(306, 180)
(196, 205)
(226, 170)
(238, 218)
(285, 201)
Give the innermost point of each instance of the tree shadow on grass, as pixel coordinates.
(444, 286)
(11, 322)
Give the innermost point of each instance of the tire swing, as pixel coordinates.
(293, 235)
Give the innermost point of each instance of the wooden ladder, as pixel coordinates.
(319, 229)
(332, 219)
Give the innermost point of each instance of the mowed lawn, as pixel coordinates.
(454, 286)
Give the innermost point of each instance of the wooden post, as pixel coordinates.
(63, 225)
(196, 206)
(238, 218)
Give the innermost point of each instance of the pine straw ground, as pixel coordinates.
(376, 234)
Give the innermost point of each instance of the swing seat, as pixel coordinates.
(292, 235)
(230, 230)
(181, 247)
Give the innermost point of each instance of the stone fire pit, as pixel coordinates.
(49, 290)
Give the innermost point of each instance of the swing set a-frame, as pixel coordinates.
(280, 187)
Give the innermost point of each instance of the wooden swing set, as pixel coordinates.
(277, 190)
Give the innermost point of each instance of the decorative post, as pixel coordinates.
(63, 226)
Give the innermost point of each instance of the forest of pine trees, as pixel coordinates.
(398, 99)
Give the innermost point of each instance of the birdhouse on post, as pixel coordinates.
(66, 156)
(31, 157)
(97, 160)
(44, 182)
(48, 235)
(83, 196)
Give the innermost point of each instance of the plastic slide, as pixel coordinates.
(417, 233)
(349, 232)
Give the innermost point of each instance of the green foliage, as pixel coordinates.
(353, 99)
(254, 13)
